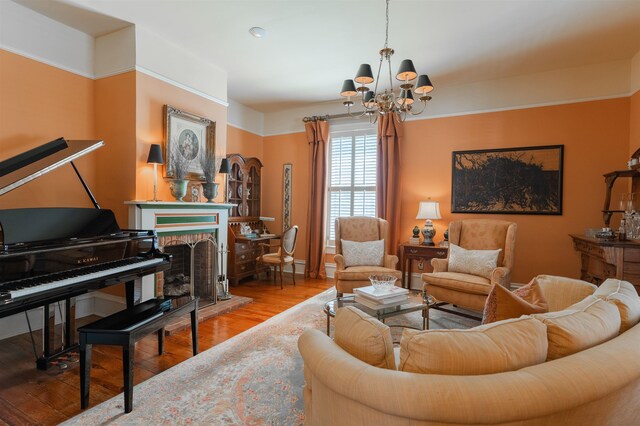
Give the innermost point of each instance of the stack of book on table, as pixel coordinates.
(379, 299)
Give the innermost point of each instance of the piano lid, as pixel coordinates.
(25, 167)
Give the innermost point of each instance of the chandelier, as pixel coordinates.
(375, 103)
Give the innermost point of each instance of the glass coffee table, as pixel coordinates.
(418, 301)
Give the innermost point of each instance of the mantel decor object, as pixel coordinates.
(155, 158)
(428, 210)
(178, 185)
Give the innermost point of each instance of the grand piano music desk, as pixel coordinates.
(124, 329)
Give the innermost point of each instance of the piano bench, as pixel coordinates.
(124, 329)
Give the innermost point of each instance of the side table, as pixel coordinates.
(411, 252)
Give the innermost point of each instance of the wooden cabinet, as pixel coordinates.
(608, 259)
(244, 186)
(609, 179)
(243, 252)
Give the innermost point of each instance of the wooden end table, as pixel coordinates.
(411, 252)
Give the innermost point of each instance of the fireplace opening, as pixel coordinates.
(193, 267)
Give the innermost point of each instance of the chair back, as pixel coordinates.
(361, 228)
(486, 234)
(288, 241)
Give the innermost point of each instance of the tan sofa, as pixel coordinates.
(597, 386)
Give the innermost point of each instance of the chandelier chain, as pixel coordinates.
(386, 36)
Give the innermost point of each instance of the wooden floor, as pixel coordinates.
(29, 396)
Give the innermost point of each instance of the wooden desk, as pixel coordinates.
(411, 252)
(608, 259)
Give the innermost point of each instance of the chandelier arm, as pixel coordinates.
(424, 106)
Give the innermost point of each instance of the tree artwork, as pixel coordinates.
(515, 180)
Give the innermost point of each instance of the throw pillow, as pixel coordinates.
(582, 325)
(364, 337)
(365, 253)
(624, 295)
(487, 349)
(503, 304)
(474, 262)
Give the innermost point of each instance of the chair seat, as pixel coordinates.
(274, 258)
(457, 281)
(359, 273)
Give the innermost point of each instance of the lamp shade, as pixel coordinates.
(155, 154)
(224, 166)
(424, 85)
(429, 210)
(406, 97)
(348, 89)
(365, 75)
(406, 71)
(369, 99)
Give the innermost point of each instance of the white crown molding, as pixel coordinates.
(46, 61)
(180, 85)
(114, 73)
(245, 129)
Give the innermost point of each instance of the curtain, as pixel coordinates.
(318, 137)
(388, 188)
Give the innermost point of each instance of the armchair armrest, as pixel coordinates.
(390, 261)
(440, 265)
(339, 259)
(501, 276)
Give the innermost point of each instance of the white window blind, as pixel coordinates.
(352, 177)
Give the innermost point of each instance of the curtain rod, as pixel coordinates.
(329, 117)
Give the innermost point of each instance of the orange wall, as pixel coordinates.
(595, 135)
(115, 103)
(634, 123)
(151, 96)
(278, 150)
(29, 119)
(243, 142)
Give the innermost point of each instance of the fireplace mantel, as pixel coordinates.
(169, 218)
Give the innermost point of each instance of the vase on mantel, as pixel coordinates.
(210, 191)
(178, 188)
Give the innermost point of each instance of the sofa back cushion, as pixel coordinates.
(562, 292)
(624, 295)
(493, 348)
(503, 304)
(585, 324)
(364, 337)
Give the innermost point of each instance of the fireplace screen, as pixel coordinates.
(193, 267)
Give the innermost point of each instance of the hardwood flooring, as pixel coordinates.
(29, 396)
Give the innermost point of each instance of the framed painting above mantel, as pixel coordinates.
(525, 180)
(190, 136)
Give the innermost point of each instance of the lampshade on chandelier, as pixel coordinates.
(377, 103)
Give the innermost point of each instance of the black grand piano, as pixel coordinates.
(48, 256)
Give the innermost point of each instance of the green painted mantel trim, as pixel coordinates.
(175, 220)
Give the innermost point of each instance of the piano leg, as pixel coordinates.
(85, 371)
(128, 354)
(54, 345)
(130, 291)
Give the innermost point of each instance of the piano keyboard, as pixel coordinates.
(25, 287)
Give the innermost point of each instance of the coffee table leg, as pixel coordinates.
(425, 319)
(328, 324)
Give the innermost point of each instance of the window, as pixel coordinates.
(352, 177)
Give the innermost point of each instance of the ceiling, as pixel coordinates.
(312, 46)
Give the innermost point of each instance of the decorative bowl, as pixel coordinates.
(382, 282)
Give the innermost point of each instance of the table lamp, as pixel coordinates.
(428, 210)
(225, 169)
(155, 158)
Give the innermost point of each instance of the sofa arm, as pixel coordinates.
(440, 265)
(390, 261)
(501, 276)
(339, 259)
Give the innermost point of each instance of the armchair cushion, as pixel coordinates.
(458, 282)
(365, 253)
(359, 273)
(493, 348)
(473, 262)
(364, 337)
(504, 304)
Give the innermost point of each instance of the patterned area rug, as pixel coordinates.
(254, 378)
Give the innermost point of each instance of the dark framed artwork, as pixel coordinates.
(524, 180)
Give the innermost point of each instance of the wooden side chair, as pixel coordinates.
(283, 257)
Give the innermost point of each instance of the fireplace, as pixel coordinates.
(193, 269)
(195, 234)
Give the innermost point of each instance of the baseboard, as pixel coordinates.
(94, 303)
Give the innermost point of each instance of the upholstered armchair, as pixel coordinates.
(360, 229)
(466, 290)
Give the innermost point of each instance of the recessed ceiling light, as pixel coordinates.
(258, 32)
